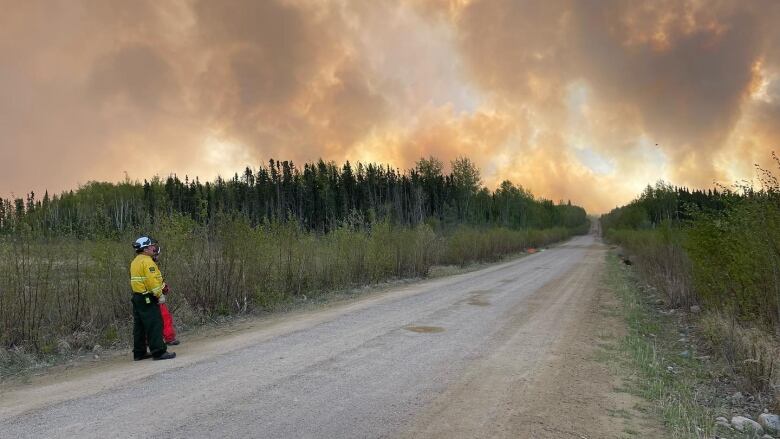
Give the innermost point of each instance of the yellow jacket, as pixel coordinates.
(145, 276)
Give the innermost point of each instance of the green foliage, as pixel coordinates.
(320, 197)
(727, 260)
(665, 204)
(736, 256)
(721, 251)
(718, 248)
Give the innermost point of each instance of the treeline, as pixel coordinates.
(319, 197)
(718, 250)
(666, 203)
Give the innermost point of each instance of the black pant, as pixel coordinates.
(147, 326)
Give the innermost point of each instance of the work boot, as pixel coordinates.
(144, 357)
(166, 356)
(173, 342)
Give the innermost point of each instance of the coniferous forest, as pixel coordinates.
(318, 197)
(260, 241)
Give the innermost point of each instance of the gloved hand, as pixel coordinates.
(165, 289)
(161, 299)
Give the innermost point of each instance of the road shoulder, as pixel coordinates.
(582, 392)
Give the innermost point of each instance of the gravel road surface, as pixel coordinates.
(448, 357)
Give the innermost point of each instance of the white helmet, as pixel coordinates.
(141, 243)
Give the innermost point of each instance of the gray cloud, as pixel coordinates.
(135, 73)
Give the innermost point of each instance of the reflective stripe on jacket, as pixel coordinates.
(145, 276)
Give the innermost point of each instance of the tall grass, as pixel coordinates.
(65, 294)
(749, 353)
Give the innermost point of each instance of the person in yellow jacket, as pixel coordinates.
(148, 291)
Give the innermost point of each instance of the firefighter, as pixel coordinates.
(147, 285)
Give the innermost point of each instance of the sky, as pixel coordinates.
(574, 100)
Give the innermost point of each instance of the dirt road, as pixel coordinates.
(507, 351)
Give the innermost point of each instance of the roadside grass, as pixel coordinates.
(16, 363)
(671, 382)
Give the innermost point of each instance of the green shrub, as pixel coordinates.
(736, 257)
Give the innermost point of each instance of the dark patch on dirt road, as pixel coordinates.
(424, 329)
